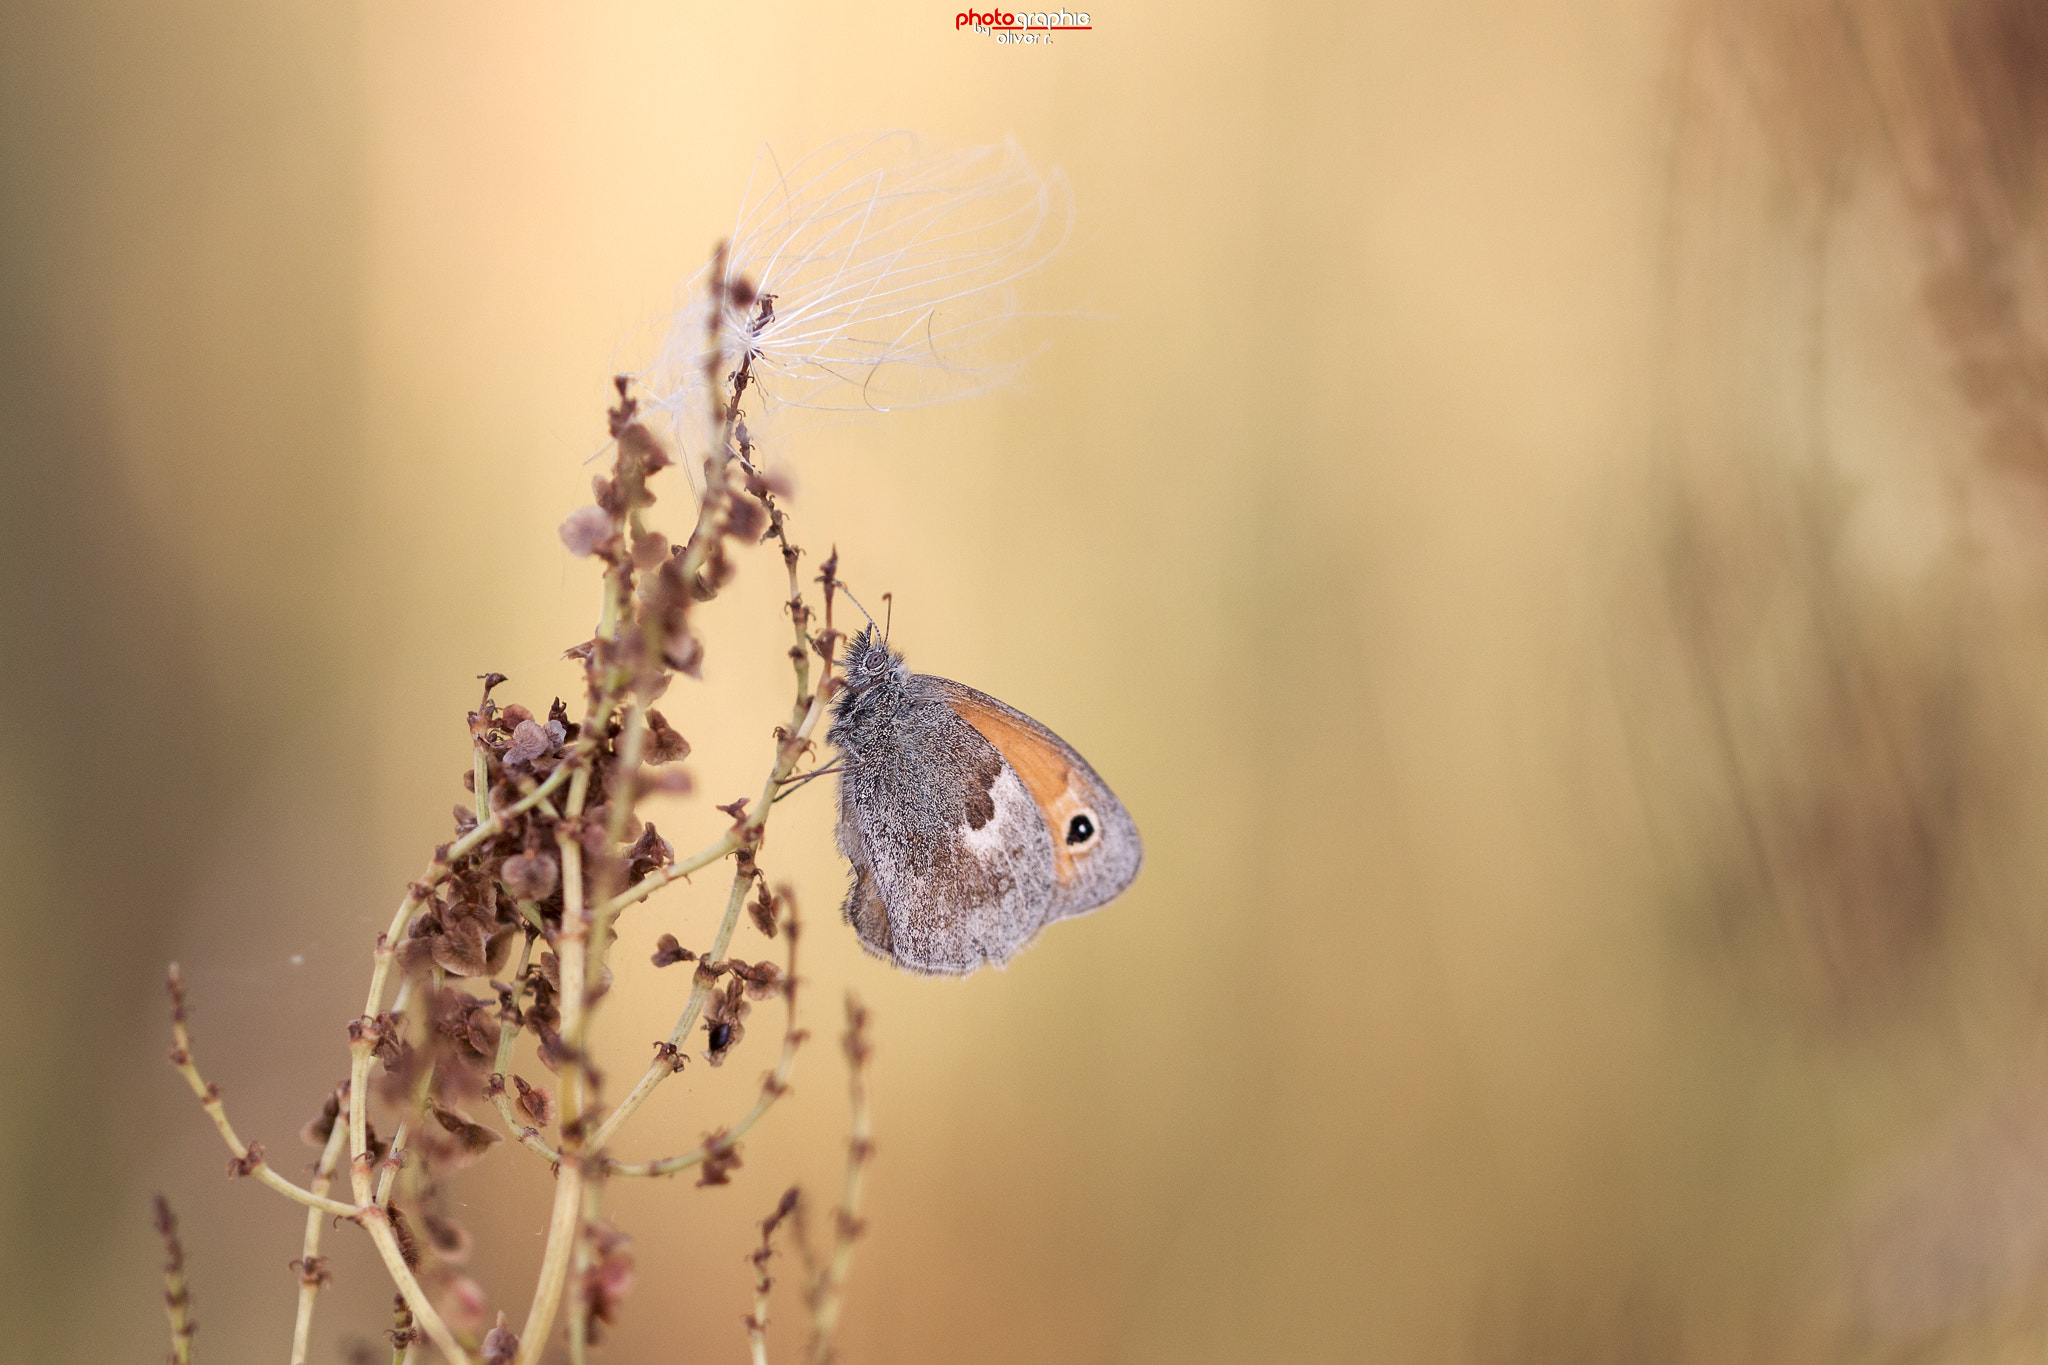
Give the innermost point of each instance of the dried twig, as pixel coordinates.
(757, 1321)
(177, 1298)
(847, 1225)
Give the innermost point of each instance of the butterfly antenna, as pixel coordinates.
(856, 602)
(888, 616)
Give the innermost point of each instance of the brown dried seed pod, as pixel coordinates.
(668, 951)
(535, 1102)
(665, 743)
(585, 530)
(530, 876)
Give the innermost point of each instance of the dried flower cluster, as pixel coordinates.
(507, 933)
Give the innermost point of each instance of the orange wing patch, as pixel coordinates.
(1044, 770)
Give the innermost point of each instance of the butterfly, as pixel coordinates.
(969, 825)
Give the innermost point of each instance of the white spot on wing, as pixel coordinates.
(1013, 803)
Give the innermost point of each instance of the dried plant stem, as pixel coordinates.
(363, 1034)
(312, 1270)
(773, 1086)
(248, 1160)
(373, 1220)
(177, 1297)
(378, 1225)
(787, 754)
(727, 844)
(847, 1224)
(566, 1217)
(579, 1300)
(700, 987)
(757, 1321)
(364, 1212)
(508, 1034)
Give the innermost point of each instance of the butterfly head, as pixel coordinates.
(869, 660)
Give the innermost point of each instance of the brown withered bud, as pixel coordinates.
(535, 1102)
(416, 953)
(665, 744)
(737, 809)
(472, 894)
(649, 851)
(501, 1344)
(462, 950)
(473, 1138)
(498, 949)
(401, 1068)
(640, 452)
(482, 1033)
(313, 1271)
(553, 1051)
(667, 952)
(465, 818)
(530, 740)
(449, 1239)
(551, 972)
(765, 909)
(746, 519)
(685, 654)
(649, 549)
(541, 1012)
(593, 830)
(530, 876)
(609, 1278)
(763, 483)
(721, 1159)
(468, 1022)
(717, 572)
(321, 1126)
(248, 1162)
(763, 979)
(609, 497)
(408, 1245)
(389, 1045)
(586, 530)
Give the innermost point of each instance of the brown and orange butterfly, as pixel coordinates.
(969, 825)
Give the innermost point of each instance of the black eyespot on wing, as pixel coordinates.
(1080, 829)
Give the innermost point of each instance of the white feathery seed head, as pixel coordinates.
(890, 277)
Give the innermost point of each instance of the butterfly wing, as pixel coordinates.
(1093, 841)
(951, 864)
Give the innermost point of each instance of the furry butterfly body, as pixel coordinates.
(969, 825)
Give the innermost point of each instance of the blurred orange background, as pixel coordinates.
(1533, 507)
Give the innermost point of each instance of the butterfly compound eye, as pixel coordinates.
(1080, 829)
